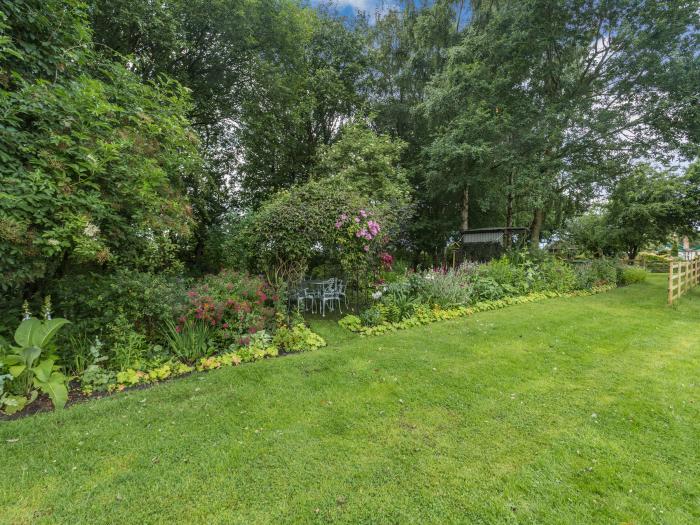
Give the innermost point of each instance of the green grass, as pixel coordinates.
(577, 410)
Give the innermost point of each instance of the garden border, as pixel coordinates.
(439, 314)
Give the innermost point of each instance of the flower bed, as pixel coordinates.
(425, 315)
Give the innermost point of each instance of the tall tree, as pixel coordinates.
(93, 160)
(559, 97)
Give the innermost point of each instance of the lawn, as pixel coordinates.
(576, 410)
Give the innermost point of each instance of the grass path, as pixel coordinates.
(577, 410)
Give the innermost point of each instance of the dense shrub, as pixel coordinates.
(93, 301)
(631, 275)
(595, 273)
(234, 304)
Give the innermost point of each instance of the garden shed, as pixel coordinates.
(483, 244)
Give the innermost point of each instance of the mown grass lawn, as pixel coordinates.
(580, 410)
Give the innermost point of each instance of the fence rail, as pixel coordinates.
(682, 276)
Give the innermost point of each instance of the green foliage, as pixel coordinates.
(297, 338)
(128, 348)
(93, 160)
(232, 304)
(350, 322)
(522, 105)
(147, 300)
(94, 377)
(32, 364)
(589, 235)
(425, 315)
(367, 163)
(632, 275)
(190, 340)
(645, 208)
(441, 288)
(595, 273)
(298, 225)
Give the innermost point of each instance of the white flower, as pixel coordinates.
(91, 230)
(53, 242)
(376, 295)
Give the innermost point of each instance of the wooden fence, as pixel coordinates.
(682, 276)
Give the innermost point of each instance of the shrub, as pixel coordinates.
(233, 304)
(94, 301)
(486, 289)
(444, 289)
(632, 275)
(372, 316)
(514, 279)
(350, 322)
(297, 338)
(598, 272)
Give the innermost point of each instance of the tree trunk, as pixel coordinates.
(465, 210)
(507, 236)
(536, 227)
(632, 252)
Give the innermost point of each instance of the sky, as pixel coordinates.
(350, 7)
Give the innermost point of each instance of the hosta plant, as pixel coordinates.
(32, 365)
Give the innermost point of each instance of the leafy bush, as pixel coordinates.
(632, 275)
(350, 322)
(598, 272)
(372, 316)
(94, 301)
(297, 338)
(233, 304)
(32, 365)
(440, 288)
(486, 289)
(514, 279)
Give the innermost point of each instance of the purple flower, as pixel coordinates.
(338, 225)
(363, 213)
(362, 233)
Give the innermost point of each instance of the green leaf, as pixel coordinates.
(30, 354)
(43, 370)
(17, 370)
(48, 330)
(24, 334)
(55, 388)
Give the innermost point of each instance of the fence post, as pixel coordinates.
(670, 282)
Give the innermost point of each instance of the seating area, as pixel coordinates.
(319, 295)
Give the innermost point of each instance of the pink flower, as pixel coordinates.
(338, 225)
(365, 248)
(363, 213)
(225, 326)
(178, 329)
(357, 219)
(361, 233)
(343, 217)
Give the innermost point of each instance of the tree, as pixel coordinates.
(295, 111)
(546, 101)
(645, 208)
(94, 160)
(407, 47)
(366, 162)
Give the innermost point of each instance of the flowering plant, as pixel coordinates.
(235, 305)
(360, 241)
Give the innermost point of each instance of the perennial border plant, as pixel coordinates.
(425, 315)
